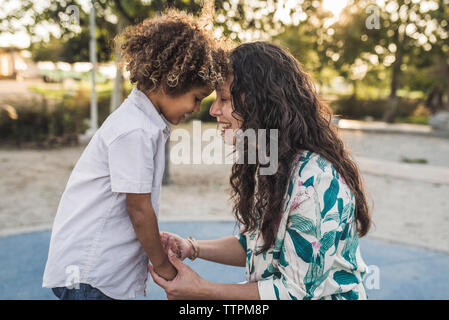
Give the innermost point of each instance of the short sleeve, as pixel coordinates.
(131, 162)
(242, 240)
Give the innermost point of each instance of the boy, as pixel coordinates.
(105, 230)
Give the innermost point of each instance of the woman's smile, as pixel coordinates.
(225, 125)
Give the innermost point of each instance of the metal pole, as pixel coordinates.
(93, 61)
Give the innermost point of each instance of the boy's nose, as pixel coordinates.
(197, 108)
(214, 110)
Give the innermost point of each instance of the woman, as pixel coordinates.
(301, 224)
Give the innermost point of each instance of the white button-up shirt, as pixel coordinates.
(93, 240)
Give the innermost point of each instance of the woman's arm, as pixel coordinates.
(227, 250)
(227, 291)
(189, 285)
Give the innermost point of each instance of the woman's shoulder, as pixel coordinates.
(309, 163)
(314, 170)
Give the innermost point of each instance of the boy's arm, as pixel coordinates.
(145, 225)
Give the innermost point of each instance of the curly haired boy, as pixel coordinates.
(105, 230)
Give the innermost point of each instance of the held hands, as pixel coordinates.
(166, 270)
(186, 285)
(180, 246)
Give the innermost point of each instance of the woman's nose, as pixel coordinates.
(215, 110)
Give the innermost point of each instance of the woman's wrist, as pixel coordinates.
(207, 290)
(194, 250)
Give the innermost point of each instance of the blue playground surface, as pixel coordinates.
(404, 272)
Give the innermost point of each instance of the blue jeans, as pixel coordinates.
(85, 292)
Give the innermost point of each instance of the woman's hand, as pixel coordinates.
(186, 285)
(182, 247)
(165, 270)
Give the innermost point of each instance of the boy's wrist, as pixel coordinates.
(161, 263)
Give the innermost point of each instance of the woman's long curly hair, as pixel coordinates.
(271, 91)
(174, 52)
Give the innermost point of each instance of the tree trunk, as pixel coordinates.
(391, 110)
(446, 71)
(116, 98)
(354, 89)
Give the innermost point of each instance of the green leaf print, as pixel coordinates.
(305, 160)
(350, 250)
(309, 182)
(347, 210)
(343, 278)
(334, 172)
(344, 234)
(302, 224)
(290, 188)
(322, 163)
(332, 217)
(340, 205)
(303, 247)
(242, 240)
(330, 197)
(351, 295)
(292, 296)
(276, 291)
(248, 258)
(271, 270)
(327, 241)
(337, 241)
(282, 261)
(315, 275)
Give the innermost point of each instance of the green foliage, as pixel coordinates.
(44, 123)
(403, 56)
(352, 108)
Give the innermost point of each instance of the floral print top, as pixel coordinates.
(316, 254)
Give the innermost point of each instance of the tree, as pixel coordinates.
(406, 32)
(305, 37)
(240, 20)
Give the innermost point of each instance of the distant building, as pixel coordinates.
(16, 64)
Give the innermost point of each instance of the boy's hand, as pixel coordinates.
(180, 246)
(166, 270)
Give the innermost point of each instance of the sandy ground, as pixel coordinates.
(405, 210)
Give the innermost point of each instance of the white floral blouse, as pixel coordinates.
(316, 254)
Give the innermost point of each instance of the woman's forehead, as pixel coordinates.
(224, 87)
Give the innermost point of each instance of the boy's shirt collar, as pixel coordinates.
(145, 104)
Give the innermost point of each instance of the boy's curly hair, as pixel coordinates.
(174, 52)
